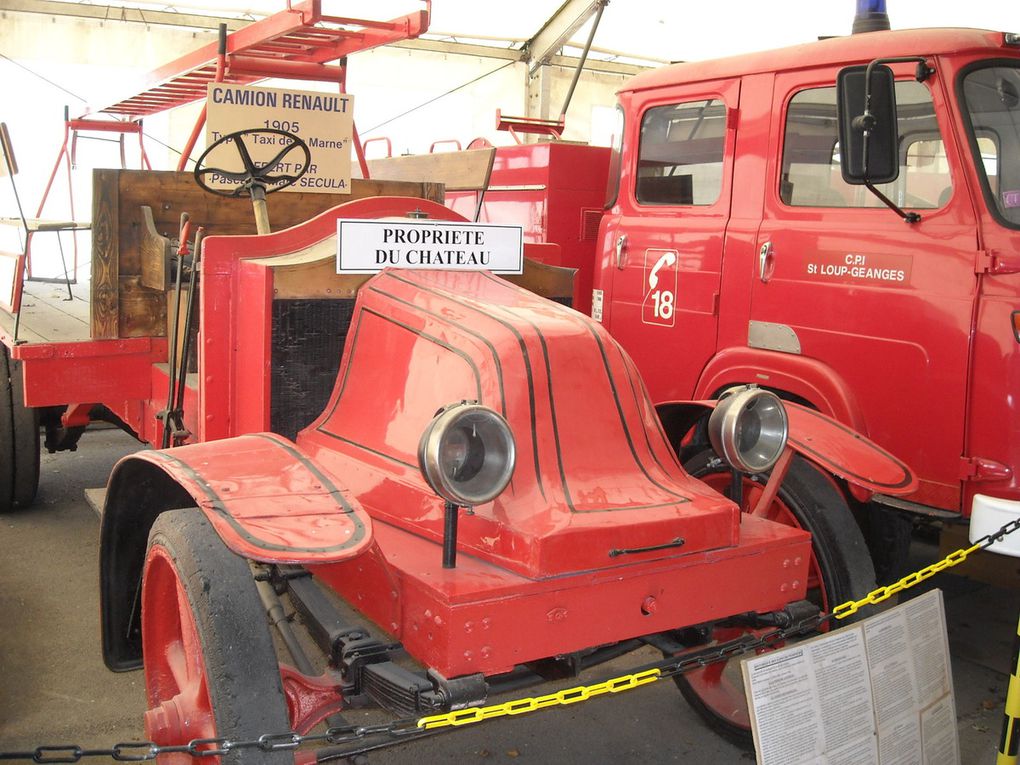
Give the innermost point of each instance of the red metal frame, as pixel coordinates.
(294, 44)
(556, 191)
(71, 129)
(533, 125)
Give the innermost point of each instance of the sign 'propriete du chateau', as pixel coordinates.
(369, 246)
(324, 121)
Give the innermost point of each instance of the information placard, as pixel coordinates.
(877, 693)
(368, 246)
(324, 121)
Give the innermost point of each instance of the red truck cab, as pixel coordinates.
(732, 251)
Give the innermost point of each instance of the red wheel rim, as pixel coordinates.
(719, 685)
(176, 685)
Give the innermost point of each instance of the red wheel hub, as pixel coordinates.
(719, 685)
(175, 680)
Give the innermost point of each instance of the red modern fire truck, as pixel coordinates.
(732, 248)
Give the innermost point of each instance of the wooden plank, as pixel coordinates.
(311, 274)
(553, 282)
(125, 260)
(46, 315)
(171, 193)
(155, 253)
(25, 334)
(456, 170)
(316, 279)
(54, 295)
(142, 311)
(41, 323)
(105, 302)
(96, 499)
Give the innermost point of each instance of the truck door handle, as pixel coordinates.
(766, 262)
(621, 248)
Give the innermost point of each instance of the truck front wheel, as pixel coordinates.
(210, 666)
(840, 569)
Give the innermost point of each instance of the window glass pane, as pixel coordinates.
(989, 151)
(811, 173)
(992, 99)
(681, 154)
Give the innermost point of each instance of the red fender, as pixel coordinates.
(267, 499)
(829, 444)
(263, 495)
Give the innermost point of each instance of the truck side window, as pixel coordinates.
(680, 159)
(811, 175)
(991, 95)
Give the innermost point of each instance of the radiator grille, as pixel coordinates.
(308, 339)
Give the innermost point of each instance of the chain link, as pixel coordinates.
(955, 558)
(141, 751)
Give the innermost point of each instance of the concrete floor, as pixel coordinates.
(54, 688)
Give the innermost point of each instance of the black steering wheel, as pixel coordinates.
(255, 175)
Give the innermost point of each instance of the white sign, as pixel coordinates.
(324, 121)
(877, 693)
(368, 246)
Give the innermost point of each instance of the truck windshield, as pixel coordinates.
(991, 96)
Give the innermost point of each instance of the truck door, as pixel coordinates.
(664, 237)
(844, 288)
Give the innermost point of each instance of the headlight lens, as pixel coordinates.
(467, 454)
(749, 428)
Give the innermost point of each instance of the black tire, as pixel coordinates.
(26, 440)
(6, 435)
(889, 535)
(241, 672)
(843, 564)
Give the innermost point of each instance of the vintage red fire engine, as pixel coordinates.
(488, 485)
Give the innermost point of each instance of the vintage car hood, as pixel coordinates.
(594, 472)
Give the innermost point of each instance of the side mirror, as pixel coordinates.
(868, 138)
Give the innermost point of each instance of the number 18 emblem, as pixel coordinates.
(658, 306)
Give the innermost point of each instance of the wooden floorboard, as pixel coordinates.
(47, 316)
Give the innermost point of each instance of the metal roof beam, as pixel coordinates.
(558, 29)
(113, 13)
(458, 48)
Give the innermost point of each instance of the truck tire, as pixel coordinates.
(840, 570)
(6, 435)
(26, 440)
(210, 666)
(888, 534)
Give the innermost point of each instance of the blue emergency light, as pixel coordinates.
(871, 16)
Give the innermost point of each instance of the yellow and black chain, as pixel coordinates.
(849, 608)
(412, 728)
